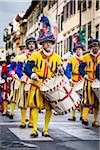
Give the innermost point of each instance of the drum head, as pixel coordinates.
(51, 83)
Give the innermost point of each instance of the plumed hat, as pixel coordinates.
(45, 34)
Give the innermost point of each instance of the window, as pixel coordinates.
(69, 9)
(58, 48)
(51, 3)
(97, 31)
(69, 43)
(72, 7)
(65, 13)
(78, 4)
(60, 21)
(30, 22)
(97, 4)
(89, 30)
(65, 46)
(83, 3)
(61, 48)
(89, 3)
(68, 6)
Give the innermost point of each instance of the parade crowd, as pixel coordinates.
(22, 75)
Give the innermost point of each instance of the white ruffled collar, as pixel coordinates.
(47, 53)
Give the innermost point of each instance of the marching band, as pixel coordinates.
(21, 81)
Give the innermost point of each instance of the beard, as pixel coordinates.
(47, 49)
(94, 53)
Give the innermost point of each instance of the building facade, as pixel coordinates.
(11, 37)
(66, 20)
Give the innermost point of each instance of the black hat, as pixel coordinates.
(31, 39)
(93, 42)
(77, 46)
(22, 46)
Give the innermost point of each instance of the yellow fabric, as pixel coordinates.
(30, 117)
(22, 99)
(90, 62)
(88, 95)
(5, 103)
(22, 58)
(35, 98)
(48, 114)
(81, 110)
(75, 69)
(90, 65)
(39, 69)
(95, 113)
(23, 116)
(73, 113)
(12, 108)
(35, 118)
(15, 96)
(98, 59)
(15, 59)
(85, 114)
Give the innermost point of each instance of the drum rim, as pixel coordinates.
(53, 88)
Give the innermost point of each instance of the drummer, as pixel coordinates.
(45, 62)
(87, 70)
(72, 73)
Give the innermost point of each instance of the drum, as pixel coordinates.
(79, 87)
(96, 88)
(59, 94)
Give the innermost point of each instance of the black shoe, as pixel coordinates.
(10, 116)
(94, 124)
(22, 126)
(3, 114)
(45, 134)
(80, 118)
(30, 126)
(85, 124)
(73, 119)
(34, 135)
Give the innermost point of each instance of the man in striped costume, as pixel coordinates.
(72, 72)
(41, 65)
(15, 83)
(25, 81)
(87, 70)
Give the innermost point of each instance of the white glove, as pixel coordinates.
(87, 77)
(9, 79)
(71, 81)
(34, 77)
(60, 70)
(23, 79)
(12, 72)
(27, 87)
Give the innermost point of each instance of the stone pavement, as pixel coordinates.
(65, 135)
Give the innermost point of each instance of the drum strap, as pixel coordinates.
(46, 61)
